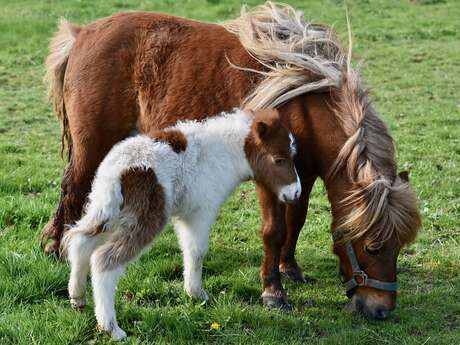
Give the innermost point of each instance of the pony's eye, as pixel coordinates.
(372, 251)
(279, 161)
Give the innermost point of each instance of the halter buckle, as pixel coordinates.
(360, 278)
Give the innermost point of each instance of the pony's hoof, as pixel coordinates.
(295, 274)
(52, 247)
(78, 302)
(276, 300)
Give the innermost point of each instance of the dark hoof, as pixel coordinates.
(48, 240)
(52, 247)
(295, 274)
(276, 300)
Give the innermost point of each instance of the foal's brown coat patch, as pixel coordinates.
(143, 212)
(174, 137)
(267, 141)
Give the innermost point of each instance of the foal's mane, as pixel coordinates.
(300, 57)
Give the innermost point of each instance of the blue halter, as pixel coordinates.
(359, 277)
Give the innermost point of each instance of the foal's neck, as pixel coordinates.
(218, 145)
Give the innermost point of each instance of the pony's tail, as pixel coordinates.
(59, 50)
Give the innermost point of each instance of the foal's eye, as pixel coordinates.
(279, 161)
(372, 251)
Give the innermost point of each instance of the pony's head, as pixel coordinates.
(374, 210)
(270, 149)
(308, 76)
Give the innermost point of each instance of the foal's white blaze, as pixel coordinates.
(291, 191)
(292, 145)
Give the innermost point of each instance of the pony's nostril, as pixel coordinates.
(297, 194)
(381, 313)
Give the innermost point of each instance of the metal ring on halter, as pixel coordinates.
(359, 277)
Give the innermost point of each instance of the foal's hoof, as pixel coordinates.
(116, 333)
(276, 300)
(200, 294)
(295, 274)
(78, 302)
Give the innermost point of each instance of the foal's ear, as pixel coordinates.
(262, 129)
(404, 175)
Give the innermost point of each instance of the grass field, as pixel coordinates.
(411, 54)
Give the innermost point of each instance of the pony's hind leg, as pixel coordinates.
(142, 218)
(193, 236)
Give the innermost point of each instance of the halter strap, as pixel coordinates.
(359, 277)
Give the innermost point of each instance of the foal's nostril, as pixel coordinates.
(296, 195)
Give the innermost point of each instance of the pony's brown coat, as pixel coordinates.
(145, 71)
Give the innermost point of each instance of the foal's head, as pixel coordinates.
(270, 149)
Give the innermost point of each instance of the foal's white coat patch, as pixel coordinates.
(195, 183)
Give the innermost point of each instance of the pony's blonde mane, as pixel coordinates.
(300, 57)
(381, 203)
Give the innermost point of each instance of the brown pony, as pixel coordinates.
(144, 71)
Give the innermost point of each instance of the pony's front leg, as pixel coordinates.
(274, 234)
(193, 236)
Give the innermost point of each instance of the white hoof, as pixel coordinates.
(118, 334)
(78, 302)
(198, 294)
(115, 332)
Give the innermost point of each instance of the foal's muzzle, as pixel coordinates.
(291, 192)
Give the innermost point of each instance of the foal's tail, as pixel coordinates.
(142, 219)
(131, 211)
(59, 50)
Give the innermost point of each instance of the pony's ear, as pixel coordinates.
(404, 175)
(262, 129)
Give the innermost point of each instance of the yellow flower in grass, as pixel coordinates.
(215, 326)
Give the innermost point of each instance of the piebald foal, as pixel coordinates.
(186, 171)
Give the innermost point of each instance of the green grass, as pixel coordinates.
(411, 53)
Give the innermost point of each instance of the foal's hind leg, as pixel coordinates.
(79, 250)
(193, 236)
(142, 218)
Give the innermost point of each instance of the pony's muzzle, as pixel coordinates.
(370, 310)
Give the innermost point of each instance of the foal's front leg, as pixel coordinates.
(193, 236)
(274, 235)
(295, 219)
